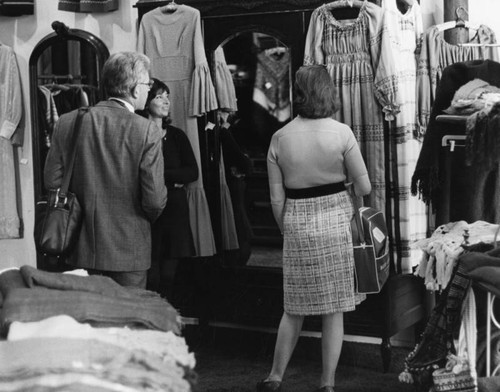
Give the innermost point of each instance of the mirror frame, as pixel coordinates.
(220, 40)
(61, 34)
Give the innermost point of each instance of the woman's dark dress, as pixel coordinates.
(171, 232)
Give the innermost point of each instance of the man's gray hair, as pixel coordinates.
(122, 72)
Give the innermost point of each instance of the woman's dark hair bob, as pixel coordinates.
(315, 94)
(158, 88)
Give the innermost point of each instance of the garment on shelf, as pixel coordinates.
(472, 97)
(443, 248)
(88, 5)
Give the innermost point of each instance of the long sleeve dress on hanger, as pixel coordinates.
(437, 54)
(226, 98)
(359, 59)
(406, 32)
(11, 135)
(173, 42)
(224, 84)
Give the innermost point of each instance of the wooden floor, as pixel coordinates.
(234, 360)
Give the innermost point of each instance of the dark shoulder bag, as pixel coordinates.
(58, 215)
(371, 248)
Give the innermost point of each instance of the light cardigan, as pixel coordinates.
(306, 153)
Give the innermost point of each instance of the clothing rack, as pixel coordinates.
(449, 143)
(453, 141)
(479, 44)
(62, 77)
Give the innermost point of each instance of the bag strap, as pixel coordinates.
(69, 171)
(357, 215)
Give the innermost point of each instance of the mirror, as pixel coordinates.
(65, 71)
(260, 67)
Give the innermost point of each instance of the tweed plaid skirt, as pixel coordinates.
(318, 260)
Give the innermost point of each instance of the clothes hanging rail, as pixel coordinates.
(479, 44)
(61, 77)
(345, 3)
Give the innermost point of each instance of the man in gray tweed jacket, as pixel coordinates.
(118, 174)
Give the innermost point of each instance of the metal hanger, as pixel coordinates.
(345, 3)
(170, 7)
(458, 22)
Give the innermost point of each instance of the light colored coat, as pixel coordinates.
(118, 180)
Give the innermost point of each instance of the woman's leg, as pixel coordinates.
(288, 335)
(331, 345)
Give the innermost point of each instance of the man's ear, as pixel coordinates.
(134, 92)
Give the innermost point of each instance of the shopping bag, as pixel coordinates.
(58, 219)
(371, 250)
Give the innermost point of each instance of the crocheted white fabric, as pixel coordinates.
(442, 249)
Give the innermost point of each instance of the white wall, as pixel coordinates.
(118, 31)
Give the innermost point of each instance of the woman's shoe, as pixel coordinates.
(268, 386)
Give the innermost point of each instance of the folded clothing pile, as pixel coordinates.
(81, 333)
(473, 97)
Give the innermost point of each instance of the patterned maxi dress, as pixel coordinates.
(358, 57)
(11, 136)
(411, 220)
(173, 42)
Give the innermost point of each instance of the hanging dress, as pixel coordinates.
(174, 44)
(437, 54)
(272, 83)
(224, 84)
(409, 212)
(226, 98)
(359, 59)
(11, 135)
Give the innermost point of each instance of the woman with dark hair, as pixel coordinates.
(172, 238)
(309, 161)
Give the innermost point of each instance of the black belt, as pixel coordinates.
(315, 191)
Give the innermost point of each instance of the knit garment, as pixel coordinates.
(483, 139)
(472, 97)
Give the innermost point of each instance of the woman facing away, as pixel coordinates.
(172, 238)
(309, 161)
